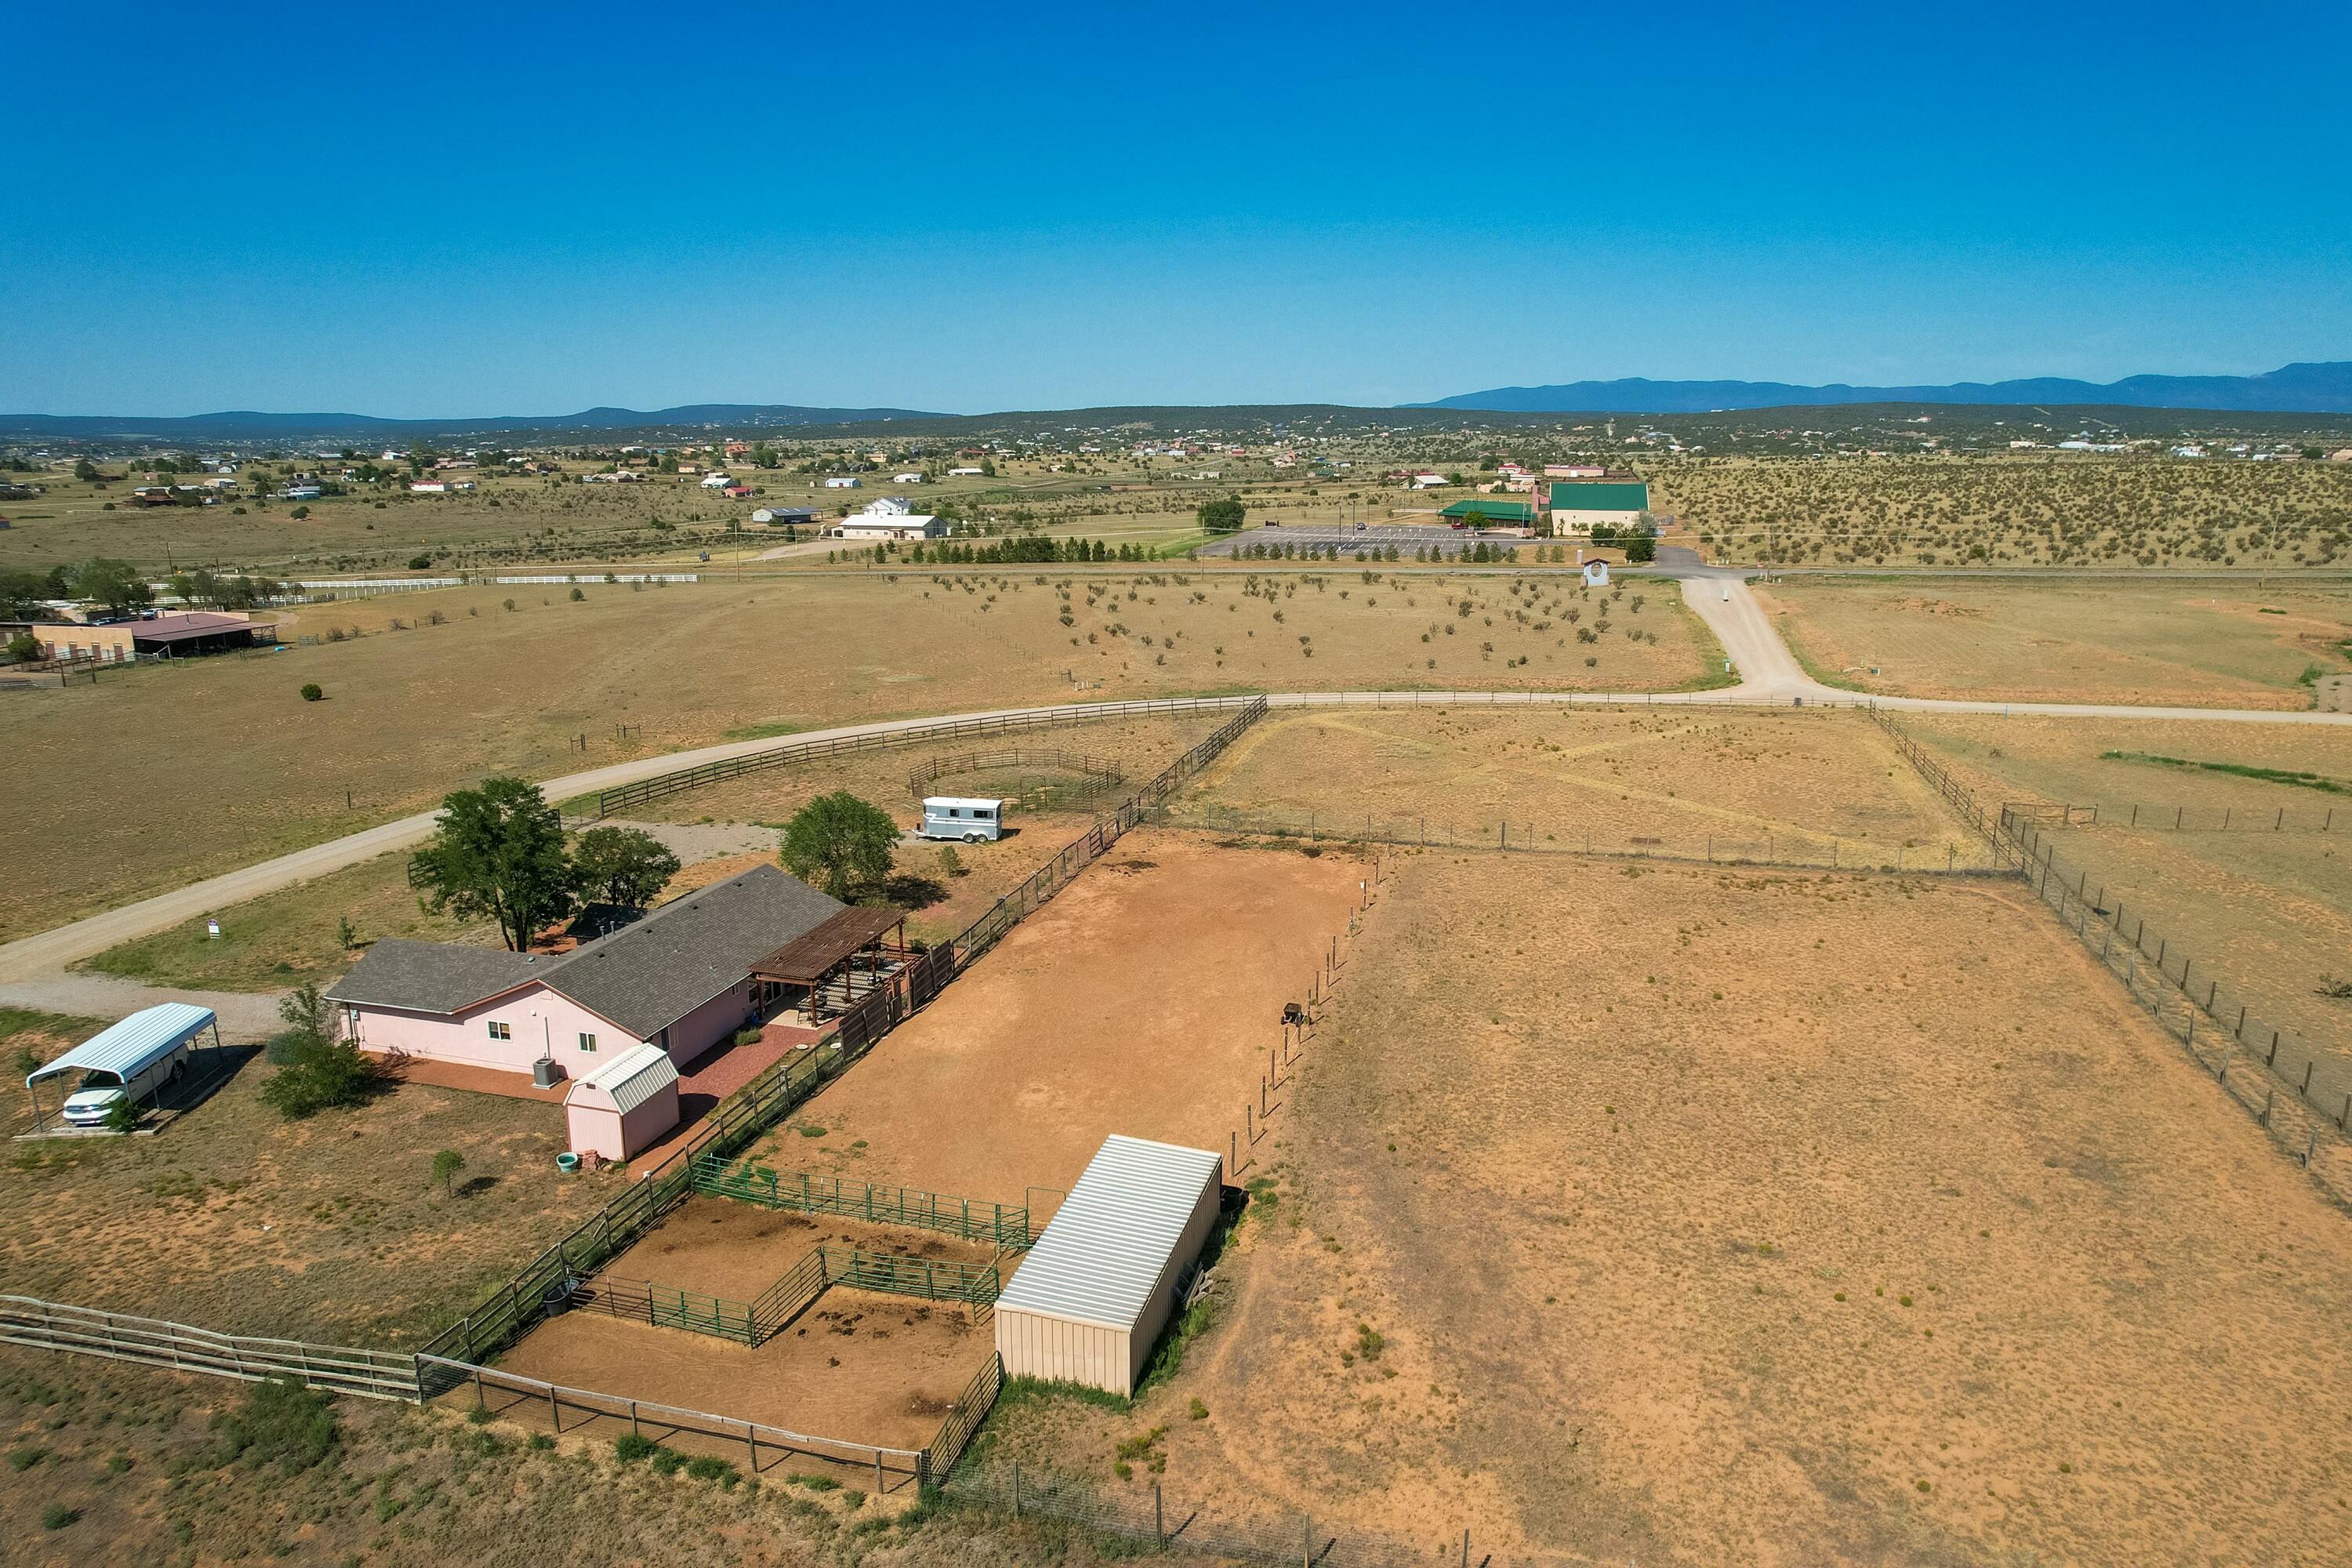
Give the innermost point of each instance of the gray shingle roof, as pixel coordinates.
(647, 977)
(643, 977)
(432, 977)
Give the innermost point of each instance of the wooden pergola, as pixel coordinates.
(835, 964)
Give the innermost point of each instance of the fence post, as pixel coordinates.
(1016, 1489)
(1159, 1519)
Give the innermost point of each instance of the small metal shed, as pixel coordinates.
(1089, 1302)
(623, 1106)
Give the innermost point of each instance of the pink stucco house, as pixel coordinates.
(679, 979)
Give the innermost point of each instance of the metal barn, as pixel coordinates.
(1089, 1302)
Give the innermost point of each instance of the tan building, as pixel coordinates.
(1090, 1301)
(193, 632)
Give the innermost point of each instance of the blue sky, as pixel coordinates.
(417, 211)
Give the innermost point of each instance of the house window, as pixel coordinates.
(587, 1042)
(500, 1031)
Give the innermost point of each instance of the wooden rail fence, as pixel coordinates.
(646, 790)
(747, 1181)
(120, 1336)
(1102, 773)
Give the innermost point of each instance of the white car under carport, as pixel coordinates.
(129, 1060)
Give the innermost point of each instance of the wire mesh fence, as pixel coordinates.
(1148, 1516)
(1958, 855)
(2176, 818)
(2301, 1093)
(2301, 1096)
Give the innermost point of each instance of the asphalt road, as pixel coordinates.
(1770, 677)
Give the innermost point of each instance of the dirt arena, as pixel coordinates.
(857, 1366)
(1798, 1220)
(1142, 1000)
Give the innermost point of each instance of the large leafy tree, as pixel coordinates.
(1221, 515)
(113, 583)
(497, 854)
(621, 866)
(840, 843)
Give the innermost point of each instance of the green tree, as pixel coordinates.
(111, 584)
(498, 854)
(1640, 548)
(316, 1070)
(840, 843)
(21, 594)
(84, 470)
(1221, 515)
(24, 648)
(445, 1166)
(621, 866)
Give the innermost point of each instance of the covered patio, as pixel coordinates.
(831, 967)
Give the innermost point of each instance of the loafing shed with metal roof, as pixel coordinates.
(623, 1106)
(1089, 1302)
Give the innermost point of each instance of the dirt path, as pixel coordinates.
(1720, 597)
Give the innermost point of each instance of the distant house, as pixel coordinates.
(890, 518)
(717, 480)
(963, 473)
(429, 488)
(1575, 506)
(302, 493)
(681, 979)
(844, 484)
(737, 492)
(1573, 470)
(909, 478)
(1429, 482)
(786, 516)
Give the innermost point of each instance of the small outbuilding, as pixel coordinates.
(624, 1106)
(1090, 1301)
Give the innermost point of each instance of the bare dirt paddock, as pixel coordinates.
(1142, 1000)
(855, 1365)
(1687, 1216)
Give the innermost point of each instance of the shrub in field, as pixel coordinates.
(316, 1071)
(56, 1516)
(280, 1423)
(312, 691)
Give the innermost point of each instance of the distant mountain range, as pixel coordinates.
(245, 426)
(2320, 388)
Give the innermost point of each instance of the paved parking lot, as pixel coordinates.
(1406, 536)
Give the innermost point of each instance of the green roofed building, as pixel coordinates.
(1578, 505)
(1480, 511)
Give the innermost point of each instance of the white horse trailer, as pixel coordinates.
(975, 821)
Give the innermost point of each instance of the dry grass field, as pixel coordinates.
(1711, 1247)
(330, 1228)
(2207, 644)
(2266, 903)
(1141, 748)
(1787, 784)
(2042, 509)
(133, 1457)
(232, 766)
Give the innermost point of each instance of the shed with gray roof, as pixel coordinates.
(1090, 1299)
